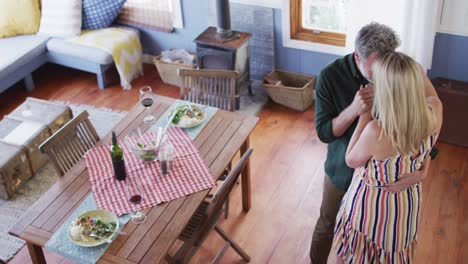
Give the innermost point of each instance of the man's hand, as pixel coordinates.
(410, 179)
(363, 100)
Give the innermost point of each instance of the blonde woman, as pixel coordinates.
(375, 224)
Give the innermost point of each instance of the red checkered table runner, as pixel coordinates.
(190, 174)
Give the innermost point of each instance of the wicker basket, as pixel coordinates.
(295, 91)
(168, 70)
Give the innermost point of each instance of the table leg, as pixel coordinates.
(36, 253)
(246, 194)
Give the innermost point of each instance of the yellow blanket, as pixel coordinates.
(122, 44)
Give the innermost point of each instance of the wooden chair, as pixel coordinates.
(205, 218)
(68, 145)
(209, 87)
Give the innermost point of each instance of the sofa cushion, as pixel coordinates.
(61, 18)
(19, 17)
(79, 51)
(100, 13)
(92, 54)
(20, 50)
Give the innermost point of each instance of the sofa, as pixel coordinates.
(21, 55)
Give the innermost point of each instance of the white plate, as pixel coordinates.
(103, 215)
(194, 124)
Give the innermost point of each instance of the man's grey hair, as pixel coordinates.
(375, 37)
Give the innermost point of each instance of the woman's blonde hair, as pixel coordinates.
(400, 102)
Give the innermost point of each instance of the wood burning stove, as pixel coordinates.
(225, 49)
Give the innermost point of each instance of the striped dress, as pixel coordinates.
(377, 226)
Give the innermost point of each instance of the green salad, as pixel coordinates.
(85, 225)
(147, 153)
(187, 115)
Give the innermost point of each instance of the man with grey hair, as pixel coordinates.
(344, 92)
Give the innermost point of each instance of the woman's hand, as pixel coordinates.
(359, 149)
(366, 115)
(409, 179)
(363, 99)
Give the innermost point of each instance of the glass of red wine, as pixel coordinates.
(135, 196)
(146, 99)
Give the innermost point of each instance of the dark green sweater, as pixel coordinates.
(336, 87)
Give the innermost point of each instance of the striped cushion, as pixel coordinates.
(100, 13)
(61, 18)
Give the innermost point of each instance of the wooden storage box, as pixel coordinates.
(168, 70)
(27, 136)
(24, 130)
(293, 90)
(454, 97)
(53, 115)
(14, 169)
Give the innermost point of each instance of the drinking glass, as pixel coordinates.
(135, 196)
(166, 158)
(146, 99)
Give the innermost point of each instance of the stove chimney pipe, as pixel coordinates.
(224, 18)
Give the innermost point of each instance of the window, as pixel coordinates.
(161, 15)
(320, 21)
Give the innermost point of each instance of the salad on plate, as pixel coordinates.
(187, 116)
(93, 228)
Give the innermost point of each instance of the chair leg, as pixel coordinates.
(168, 258)
(221, 253)
(182, 253)
(223, 177)
(29, 83)
(190, 254)
(233, 244)
(226, 208)
(226, 172)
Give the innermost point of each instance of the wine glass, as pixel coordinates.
(135, 196)
(146, 99)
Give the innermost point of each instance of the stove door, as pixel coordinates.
(209, 58)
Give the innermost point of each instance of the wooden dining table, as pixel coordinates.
(223, 136)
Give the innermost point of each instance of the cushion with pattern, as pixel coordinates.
(100, 13)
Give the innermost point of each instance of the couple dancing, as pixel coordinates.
(380, 116)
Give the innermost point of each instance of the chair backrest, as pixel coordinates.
(68, 145)
(209, 87)
(215, 207)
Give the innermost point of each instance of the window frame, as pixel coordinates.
(178, 16)
(173, 8)
(298, 32)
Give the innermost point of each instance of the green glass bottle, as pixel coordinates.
(117, 159)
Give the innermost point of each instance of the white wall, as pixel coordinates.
(454, 17)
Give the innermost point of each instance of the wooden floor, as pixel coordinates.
(287, 178)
